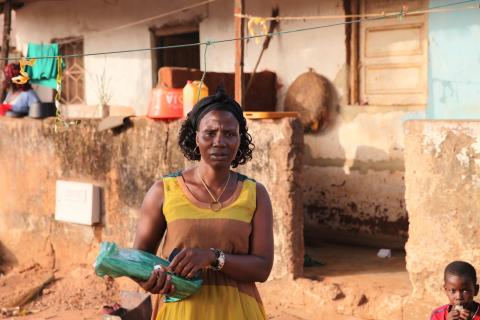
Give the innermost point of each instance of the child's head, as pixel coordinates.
(460, 283)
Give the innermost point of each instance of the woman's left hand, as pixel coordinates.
(188, 261)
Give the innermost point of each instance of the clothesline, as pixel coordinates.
(399, 14)
(349, 16)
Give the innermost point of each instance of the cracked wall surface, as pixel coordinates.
(125, 162)
(442, 160)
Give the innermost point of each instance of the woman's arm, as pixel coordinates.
(151, 225)
(254, 267)
(150, 230)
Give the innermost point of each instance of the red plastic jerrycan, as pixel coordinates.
(165, 103)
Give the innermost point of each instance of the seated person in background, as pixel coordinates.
(19, 96)
(460, 284)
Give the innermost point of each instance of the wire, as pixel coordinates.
(204, 69)
(401, 13)
(156, 17)
(347, 16)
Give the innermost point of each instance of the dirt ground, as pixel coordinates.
(76, 290)
(353, 284)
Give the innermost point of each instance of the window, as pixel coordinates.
(188, 57)
(392, 56)
(73, 82)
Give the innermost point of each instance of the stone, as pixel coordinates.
(362, 300)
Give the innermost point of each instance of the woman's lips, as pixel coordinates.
(218, 156)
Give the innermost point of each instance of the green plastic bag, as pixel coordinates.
(119, 262)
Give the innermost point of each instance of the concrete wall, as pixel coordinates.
(125, 163)
(454, 57)
(278, 163)
(354, 179)
(130, 74)
(442, 161)
(354, 173)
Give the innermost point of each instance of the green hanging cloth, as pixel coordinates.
(44, 71)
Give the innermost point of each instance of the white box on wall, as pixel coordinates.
(77, 202)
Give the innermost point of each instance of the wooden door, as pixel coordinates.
(393, 55)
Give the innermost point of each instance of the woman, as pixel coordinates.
(221, 220)
(19, 96)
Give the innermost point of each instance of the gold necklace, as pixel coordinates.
(215, 205)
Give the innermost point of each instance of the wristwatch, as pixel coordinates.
(219, 259)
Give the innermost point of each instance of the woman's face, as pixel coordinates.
(218, 138)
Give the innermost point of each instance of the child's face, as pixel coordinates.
(460, 290)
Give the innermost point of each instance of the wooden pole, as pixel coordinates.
(7, 25)
(239, 33)
(354, 56)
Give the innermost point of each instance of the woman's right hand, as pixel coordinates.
(160, 282)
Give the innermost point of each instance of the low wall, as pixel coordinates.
(124, 163)
(354, 179)
(442, 161)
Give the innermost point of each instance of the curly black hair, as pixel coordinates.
(219, 101)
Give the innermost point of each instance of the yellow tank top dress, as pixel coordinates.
(192, 224)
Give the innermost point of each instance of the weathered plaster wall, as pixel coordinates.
(130, 74)
(442, 161)
(454, 64)
(125, 163)
(354, 184)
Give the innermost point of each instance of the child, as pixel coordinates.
(460, 286)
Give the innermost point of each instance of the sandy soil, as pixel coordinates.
(352, 285)
(71, 291)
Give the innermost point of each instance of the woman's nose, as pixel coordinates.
(219, 140)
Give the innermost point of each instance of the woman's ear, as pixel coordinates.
(476, 289)
(196, 138)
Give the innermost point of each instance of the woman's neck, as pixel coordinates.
(213, 177)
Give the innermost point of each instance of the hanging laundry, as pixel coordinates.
(257, 26)
(23, 77)
(45, 71)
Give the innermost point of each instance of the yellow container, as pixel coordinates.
(190, 95)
